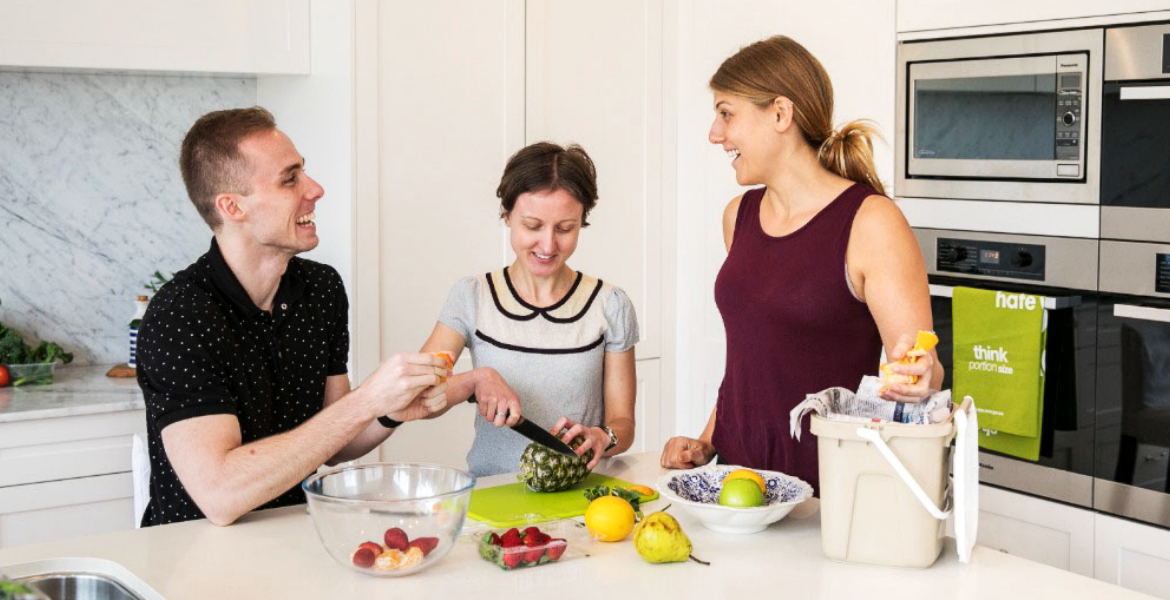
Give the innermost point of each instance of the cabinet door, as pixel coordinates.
(45, 512)
(1133, 555)
(594, 77)
(919, 15)
(225, 36)
(647, 419)
(450, 111)
(1040, 530)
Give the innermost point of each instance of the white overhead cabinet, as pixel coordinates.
(922, 15)
(208, 36)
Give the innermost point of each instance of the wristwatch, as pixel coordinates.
(389, 423)
(613, 440)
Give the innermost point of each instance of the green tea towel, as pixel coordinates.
(999, 340)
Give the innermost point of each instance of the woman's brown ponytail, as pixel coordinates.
(778, 66)
(848, 152)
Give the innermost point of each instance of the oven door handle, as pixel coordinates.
(1142, 313)
(1143, 92)
(1050, 302)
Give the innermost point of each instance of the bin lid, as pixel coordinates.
(966, 478)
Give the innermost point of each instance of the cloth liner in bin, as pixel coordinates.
(884, 489)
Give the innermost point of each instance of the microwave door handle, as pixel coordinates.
(1142, 313)
(1050, 302)
(1153, 92)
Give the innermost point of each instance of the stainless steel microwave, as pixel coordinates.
(1012, 117)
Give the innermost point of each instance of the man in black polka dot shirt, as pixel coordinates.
(242, 356)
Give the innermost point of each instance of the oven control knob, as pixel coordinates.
(1069, 118)
(1022, 259)
(960, 253)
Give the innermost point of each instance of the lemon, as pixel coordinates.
(747, 474)
(609, 519)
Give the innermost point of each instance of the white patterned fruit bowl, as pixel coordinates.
(697, 492)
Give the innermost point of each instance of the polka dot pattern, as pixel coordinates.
(204, 348)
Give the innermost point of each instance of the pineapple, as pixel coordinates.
(543, 469)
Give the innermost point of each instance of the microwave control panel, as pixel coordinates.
(1069, 103)
(995, 259)
(1162, 274)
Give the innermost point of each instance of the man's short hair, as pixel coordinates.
(210, 158)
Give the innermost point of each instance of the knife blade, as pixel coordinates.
(536, 433)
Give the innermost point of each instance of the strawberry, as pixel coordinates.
(373, 546)
(364, 557)
(511, 538)
(495, 540)
(512, 559)
(557, 547)
(537, 547)
(396, 539)
(531, 531)
(426, 544)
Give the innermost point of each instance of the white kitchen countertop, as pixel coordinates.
(76, 390)
(276, 554)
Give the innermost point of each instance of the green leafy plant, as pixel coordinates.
(13, 351)
(632, 497)
(157, 280)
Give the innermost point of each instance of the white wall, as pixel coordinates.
(301, 105)
(854, 40)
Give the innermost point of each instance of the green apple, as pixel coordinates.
(741, 493)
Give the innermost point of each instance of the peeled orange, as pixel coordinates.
(609, 519)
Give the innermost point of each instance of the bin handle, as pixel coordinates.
(874, 437)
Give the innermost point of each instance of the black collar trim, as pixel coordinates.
(546, 311)
(291, 288)
(483, 336)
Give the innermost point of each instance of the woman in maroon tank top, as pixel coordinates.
(822, 269)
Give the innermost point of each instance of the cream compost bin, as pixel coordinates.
(884, 490)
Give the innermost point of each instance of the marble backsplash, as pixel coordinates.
(91, 200)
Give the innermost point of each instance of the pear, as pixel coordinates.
(660, 539)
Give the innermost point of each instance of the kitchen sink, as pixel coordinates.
(78, 586)
(80, 579)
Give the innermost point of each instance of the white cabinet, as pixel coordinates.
(921, 15)
(448, 109)
(1133, 555)
(66, 476)
(594, 77)
(218, 36)
(1039, 530)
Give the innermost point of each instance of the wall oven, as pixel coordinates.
(1000, 118)
(1135, 142)
(1064, 271)
(1133, 382)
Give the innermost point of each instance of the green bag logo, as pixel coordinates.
(1015, 301)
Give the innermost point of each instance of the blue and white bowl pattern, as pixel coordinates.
(703, 485)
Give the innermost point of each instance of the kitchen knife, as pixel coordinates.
(538, 434)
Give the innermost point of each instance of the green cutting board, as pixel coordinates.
(514, 504)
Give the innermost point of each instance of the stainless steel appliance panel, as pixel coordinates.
(992, 181)
(1135, 142)
(1064, 271)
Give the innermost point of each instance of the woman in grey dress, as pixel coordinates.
(556, 343)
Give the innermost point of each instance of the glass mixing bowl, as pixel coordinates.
(387, 519)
